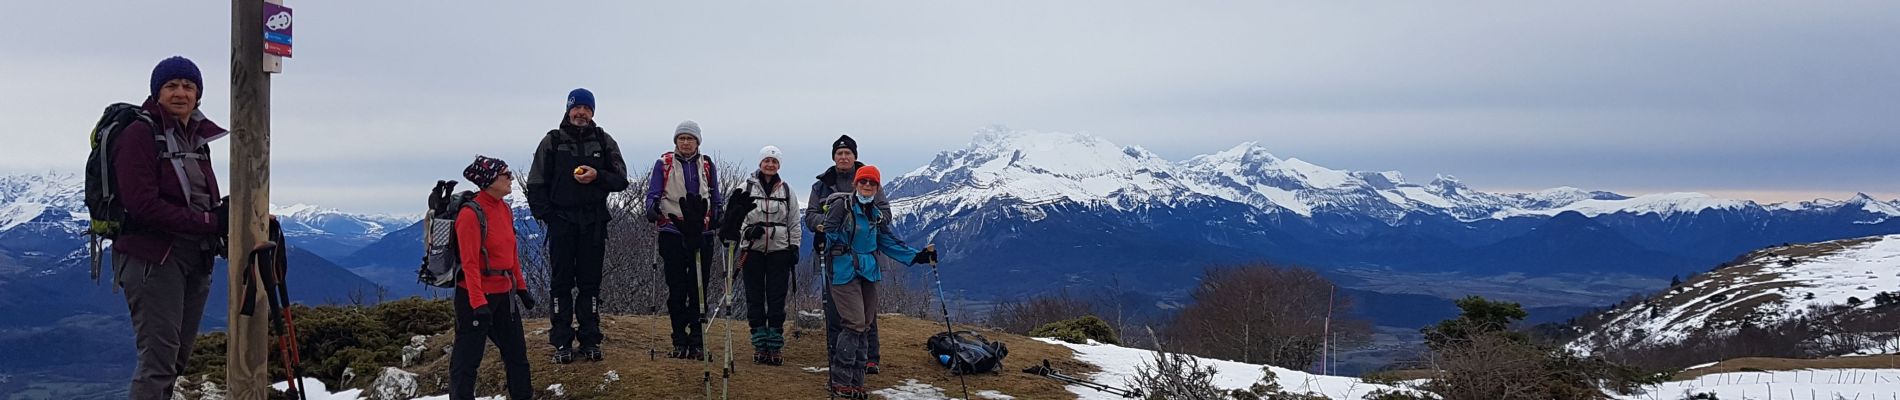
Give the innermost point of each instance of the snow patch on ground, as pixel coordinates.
(315, 390)
(1803, 384)
(911, 389)
(1118, 365)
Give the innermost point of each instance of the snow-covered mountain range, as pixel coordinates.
(1041, 168)
(52, 205)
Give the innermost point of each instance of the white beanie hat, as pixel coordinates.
(771, 152)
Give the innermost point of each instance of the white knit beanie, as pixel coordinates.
(771, 152)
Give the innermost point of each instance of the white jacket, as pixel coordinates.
(777, 211)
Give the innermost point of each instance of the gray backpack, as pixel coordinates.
(442, 262)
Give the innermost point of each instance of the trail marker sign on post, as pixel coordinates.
(277, 29)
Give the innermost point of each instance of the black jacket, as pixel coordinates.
(552, 191)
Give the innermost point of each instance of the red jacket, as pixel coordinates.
(156, 207)
(501, 251)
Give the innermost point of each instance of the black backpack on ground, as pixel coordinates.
(966, 352)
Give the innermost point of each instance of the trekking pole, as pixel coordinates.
(288, 340)
(267, 260)
(943, 303)
(823, 262)
(730, 367)
(725, 304)
(1050, 372)
(705, 379)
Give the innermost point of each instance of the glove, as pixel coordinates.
(729, 233)
(653, 213)
(755, 232)
(693, 222)
(731, 222)
(928, 256)
(482, 313)
(223, 215)
(740, 203)
(795, 256)
(527, 299)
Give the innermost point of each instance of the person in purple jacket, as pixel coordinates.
(683, 199)
(175, 224)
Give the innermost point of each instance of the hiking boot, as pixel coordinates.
(848, 392)
(870, 368)
(759, 357)
(592, 353)
(679, 352)
(696, 353)
(773, 357)
(563, 356)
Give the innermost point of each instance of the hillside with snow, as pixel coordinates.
(1764, 287)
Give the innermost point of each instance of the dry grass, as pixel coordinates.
(1751, 364)
(630, 339)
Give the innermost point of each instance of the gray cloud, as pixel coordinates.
(1645, 96)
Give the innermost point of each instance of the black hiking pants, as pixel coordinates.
(503, 327)
(684, 303)
(577, 252)
(767, 278)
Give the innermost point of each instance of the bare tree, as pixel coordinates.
(1266, 314)
(1019, 316)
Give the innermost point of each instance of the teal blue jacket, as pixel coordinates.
(857, 235)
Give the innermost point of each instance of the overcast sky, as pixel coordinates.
(1770, 101)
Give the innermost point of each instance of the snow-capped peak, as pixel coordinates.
(299, 209)
(51, 188)
(1869, 204)
(1040, 168)
(31, 197)
(1446, 185)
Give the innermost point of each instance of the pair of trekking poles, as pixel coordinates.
(705, 320)
(270, 261)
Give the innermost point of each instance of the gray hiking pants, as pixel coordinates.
(167, 300)
(857, 310)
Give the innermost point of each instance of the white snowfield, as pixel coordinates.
(1820, 384)
(1118, 365)
(1762, 287)
(1039, 168)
